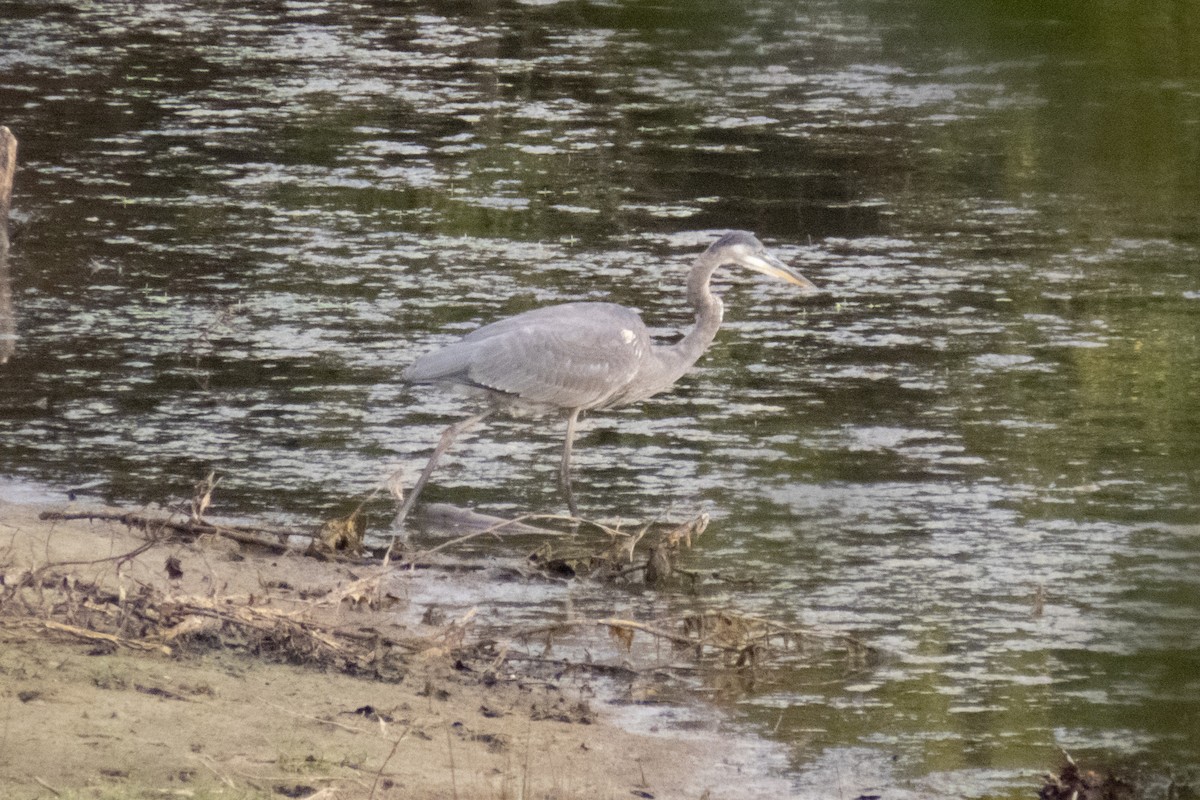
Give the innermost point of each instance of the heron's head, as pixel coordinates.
(743, 249)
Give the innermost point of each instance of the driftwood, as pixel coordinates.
(8, 320)
(273, 539)
(87, 634)
(8, 166)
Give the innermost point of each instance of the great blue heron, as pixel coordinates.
(580, 356)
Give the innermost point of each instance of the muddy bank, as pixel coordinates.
(190, 710)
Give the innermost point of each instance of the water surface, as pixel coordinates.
(235, 224)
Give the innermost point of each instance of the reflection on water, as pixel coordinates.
(238, 225)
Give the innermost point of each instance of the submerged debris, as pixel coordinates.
(735, 640)
(341, 535)
(1072, 783)
(660, 566)
(617, 557)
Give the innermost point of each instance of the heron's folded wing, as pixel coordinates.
(576, 355)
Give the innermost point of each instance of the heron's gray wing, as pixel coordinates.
(577, 355)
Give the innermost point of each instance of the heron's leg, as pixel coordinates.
(448, 437)
(564, 471)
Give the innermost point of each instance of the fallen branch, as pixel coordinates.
(84, 633)
(274, 539)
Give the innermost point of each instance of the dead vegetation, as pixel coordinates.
(283, 623)
(182, 584)
(715, 637)
(57, 602)
(1110, 777)
(617, 556)
(1072, 783)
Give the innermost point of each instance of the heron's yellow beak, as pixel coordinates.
(769, 265)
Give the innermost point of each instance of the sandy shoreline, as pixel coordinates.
(89, 718)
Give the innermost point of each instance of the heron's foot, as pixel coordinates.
(564, 482)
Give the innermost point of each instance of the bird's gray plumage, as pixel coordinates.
(575, 355)
(582, 356)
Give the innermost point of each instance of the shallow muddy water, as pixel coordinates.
(235, 224)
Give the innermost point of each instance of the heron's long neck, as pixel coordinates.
(708, 309)
(668, 364)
